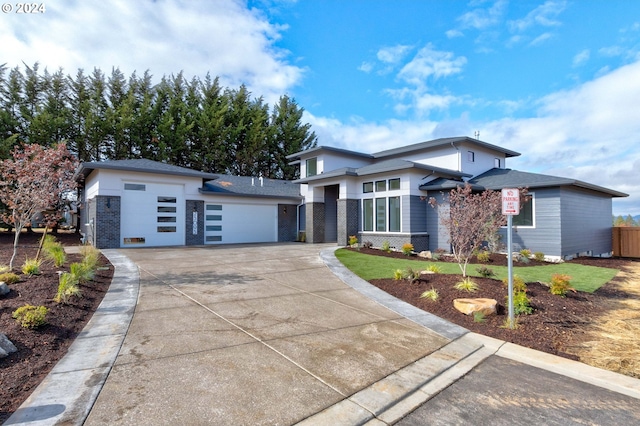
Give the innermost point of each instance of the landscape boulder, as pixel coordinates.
(4, 288)
(425, 254)
(471, 306)
(6, 346)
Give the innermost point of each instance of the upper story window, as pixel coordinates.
(394, 184)
(367, 187)
(471, 156)
(312, 167)
(381, 185)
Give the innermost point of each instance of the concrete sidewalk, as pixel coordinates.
(266, 334)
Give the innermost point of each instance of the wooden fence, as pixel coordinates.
(626, 241)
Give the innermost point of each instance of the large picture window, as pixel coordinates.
(381, 214)
(367, 213)
(526, 217)
(394, 214)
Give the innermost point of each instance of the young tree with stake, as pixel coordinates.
(33, 181)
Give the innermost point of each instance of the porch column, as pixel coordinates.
(348, 220)
(315, 222)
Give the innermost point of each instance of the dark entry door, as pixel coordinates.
(331, 194)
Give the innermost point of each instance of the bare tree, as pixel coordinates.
(34, 181)
(473, 218)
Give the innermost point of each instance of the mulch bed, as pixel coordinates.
(40, 349)
(556, 323)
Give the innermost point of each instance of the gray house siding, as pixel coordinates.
(287, 222)
(586, 223)
(414, 214)
(545, 237)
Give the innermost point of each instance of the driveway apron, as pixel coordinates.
(249, 335)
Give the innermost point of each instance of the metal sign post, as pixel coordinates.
(510, 207)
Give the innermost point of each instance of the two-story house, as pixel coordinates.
(382, 197)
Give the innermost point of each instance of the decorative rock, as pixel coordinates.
(425, 254)
(6, 347)
(470, 306)
(4, 288)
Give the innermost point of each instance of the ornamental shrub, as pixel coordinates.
(30, 316)
(407, 249)
(560, 285)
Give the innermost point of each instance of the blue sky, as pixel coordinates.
(558, 81)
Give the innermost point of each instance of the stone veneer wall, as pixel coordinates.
(315, 222)
(103, 215)
(287, 222)
(348, 219)
(192, 239)
(420, 241)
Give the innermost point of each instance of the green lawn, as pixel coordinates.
(583, 278)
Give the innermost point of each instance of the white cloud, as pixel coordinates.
(541, 39)
(222, 37)
(393, 54)
(366, 67)
(480, 18)
(454, 33)
(429, 62)
(581, 58)
(544, 15)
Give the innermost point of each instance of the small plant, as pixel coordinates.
(386, 247)
(398, 275)
(82, 272)
(4, 268)
(521, 303)
(510, 324)
(432, 295)
(483, 256)
(367, 244)
(407, 249)
(466, 285)
(479, 317)
(518, 284)
(525, 253)
(31, 266)
(30, 316)
(9, 278)
(412, 275)
(67, 287)
(435, 256)
(56, 254)
(434, 268)
(353, 241)
(560, 285)
(90, 256)
(485, 272)
(538, 256)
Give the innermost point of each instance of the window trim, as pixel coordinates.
(307, 162)
(532, 204)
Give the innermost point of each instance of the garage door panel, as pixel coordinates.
(240, 223)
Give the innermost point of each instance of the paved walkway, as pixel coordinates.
(267, 334)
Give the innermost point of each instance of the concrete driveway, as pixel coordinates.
(248, 335)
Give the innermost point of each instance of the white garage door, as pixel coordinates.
(152, 215)
(240, 223)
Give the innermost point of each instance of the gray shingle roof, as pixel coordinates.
(296, 156)
(386, 166)
(251, 187)
(442, 142)
(507, 178)
(140, 165)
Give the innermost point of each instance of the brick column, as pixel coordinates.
(104, 218)
(348, 220)
(315, 222)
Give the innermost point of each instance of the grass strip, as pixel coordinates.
(583, 277)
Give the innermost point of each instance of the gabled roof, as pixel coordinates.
(387, 166)
(140, 165)
(318, 149)
(251, 187)
(442, 142)
(497, 179)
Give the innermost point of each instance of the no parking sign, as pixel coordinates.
(510, 201)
